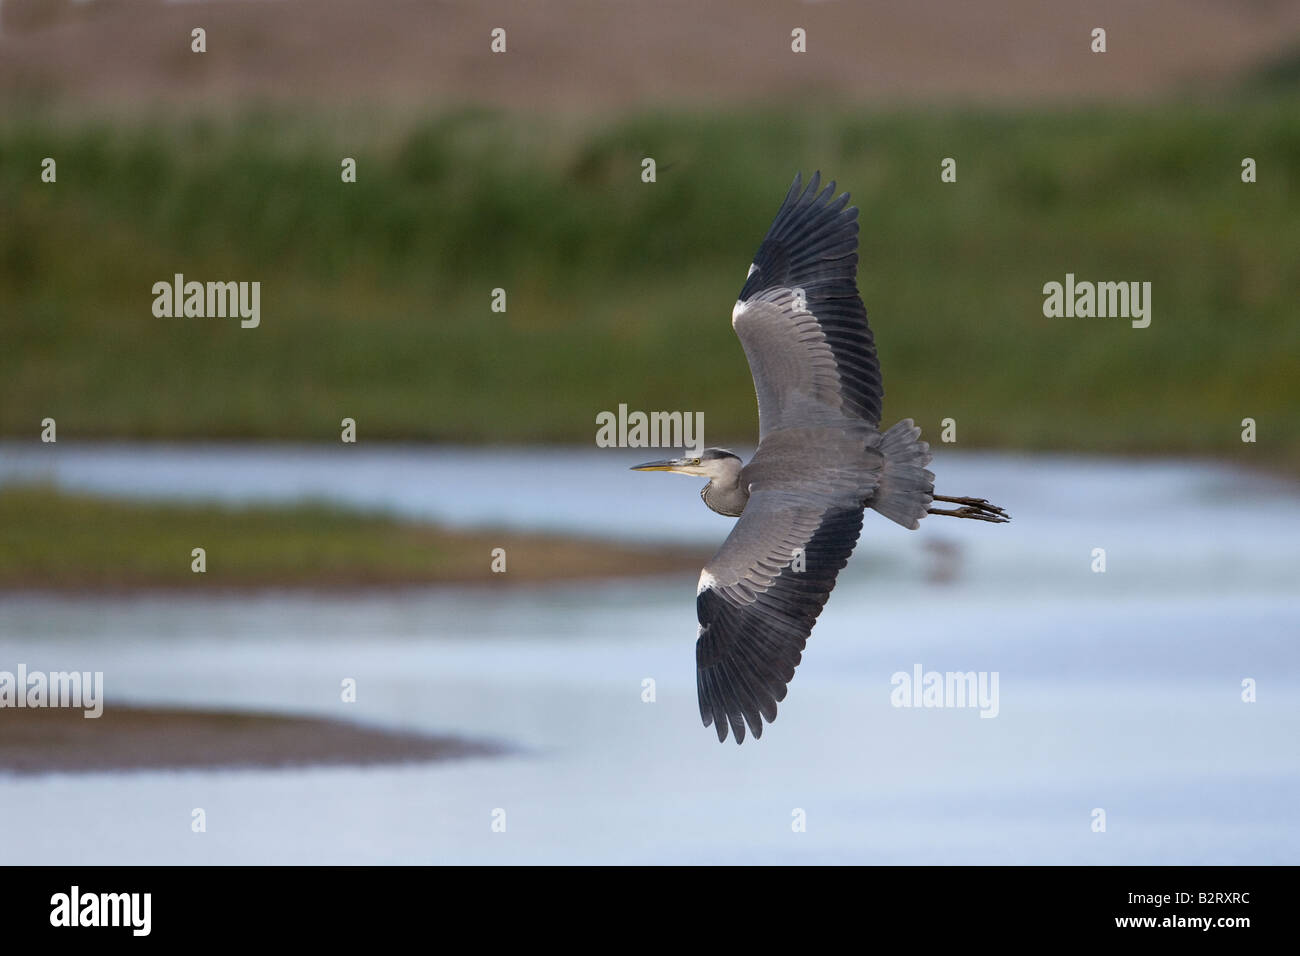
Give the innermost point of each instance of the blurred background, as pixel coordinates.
(522, 170)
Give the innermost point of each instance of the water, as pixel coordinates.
(1120, 691)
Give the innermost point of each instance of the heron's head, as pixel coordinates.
(710, 463)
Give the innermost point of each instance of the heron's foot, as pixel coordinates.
(978, 508)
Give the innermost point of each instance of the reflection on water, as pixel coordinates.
(1119, 690)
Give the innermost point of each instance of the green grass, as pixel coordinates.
(375, 296)
(57, 540)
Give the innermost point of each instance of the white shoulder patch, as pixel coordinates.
(740, 309)
(706, 581)
(752, 269)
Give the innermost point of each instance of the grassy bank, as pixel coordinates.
(55, 540)
(376, 295)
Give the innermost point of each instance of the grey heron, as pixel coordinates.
(822, 460)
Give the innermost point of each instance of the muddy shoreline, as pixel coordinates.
(131, 738)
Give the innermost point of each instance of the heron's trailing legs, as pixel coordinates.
(977, 508)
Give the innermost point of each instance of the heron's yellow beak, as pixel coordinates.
(668, 464)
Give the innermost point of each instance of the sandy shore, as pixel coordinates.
(141, 738)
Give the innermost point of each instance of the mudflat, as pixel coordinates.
(62, 740)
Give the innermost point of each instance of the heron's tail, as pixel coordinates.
(906, 488)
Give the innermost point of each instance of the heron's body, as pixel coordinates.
(821, 461)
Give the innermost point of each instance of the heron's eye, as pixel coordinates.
(695, 461)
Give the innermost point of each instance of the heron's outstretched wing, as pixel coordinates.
(801, 320)
(758, 599)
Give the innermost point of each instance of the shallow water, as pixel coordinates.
(1119, 691)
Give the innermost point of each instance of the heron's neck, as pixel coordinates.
(725, 493)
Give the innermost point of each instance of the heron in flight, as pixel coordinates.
(821, 461)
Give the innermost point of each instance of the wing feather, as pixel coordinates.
(754, 623)
(819, 357)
